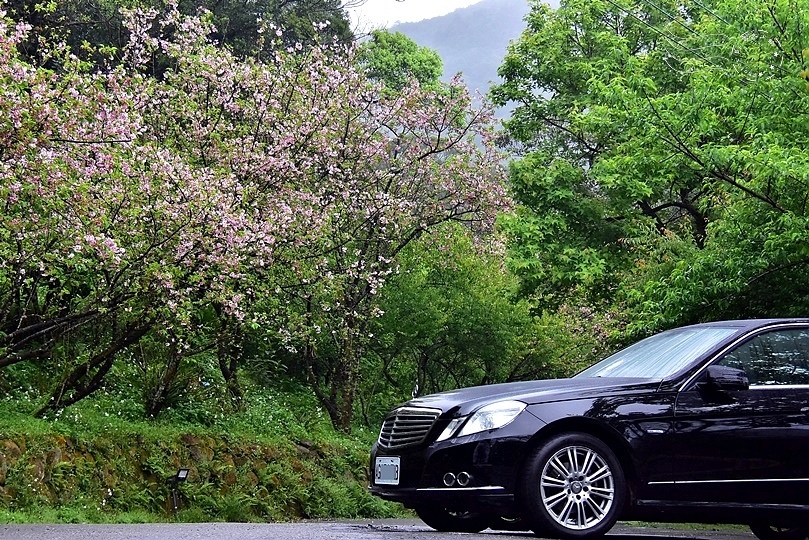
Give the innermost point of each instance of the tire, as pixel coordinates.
(445, 520)
(573, 487)
(771, 532)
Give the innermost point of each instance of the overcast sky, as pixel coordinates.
(384, 13)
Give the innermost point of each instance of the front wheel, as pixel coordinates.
(574, 487)
(445, 520)
(771, 532)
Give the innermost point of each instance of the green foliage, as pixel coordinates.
(76, 514)
(94, 29)
(241, 27)
(663, 165)
(271, 462)
(396, 60)
(560, 240)
(451, 318)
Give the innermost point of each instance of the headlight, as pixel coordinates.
(492, 416)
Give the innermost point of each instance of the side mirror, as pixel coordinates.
(727, 378)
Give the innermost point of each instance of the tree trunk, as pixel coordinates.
(158, 397)
(88, 377)
(229, 347)
(337, 390)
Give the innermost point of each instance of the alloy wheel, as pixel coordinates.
(577, 487)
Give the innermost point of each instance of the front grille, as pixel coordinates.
(407, 426)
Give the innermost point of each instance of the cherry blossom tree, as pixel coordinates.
(422, 168)
(274, 194)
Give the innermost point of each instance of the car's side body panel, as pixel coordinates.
(636, 424)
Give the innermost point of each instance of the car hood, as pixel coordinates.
(465, 400)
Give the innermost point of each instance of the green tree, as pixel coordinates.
(663, 159)
(396, 60)
(88, 26)
(241, 25)
(449, 311)
(451, 319)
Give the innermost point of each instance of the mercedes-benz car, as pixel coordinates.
(704, 423)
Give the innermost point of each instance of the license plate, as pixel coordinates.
(387, 471)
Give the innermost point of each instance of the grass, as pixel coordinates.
(99, 462)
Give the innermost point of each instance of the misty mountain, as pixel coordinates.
(471, 40)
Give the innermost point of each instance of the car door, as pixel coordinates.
(747, 445)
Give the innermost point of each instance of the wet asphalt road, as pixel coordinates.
(338, 530)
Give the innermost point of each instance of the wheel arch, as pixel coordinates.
(601, 431)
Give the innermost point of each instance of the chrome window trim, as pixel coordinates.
(777, 386)
(735, 343)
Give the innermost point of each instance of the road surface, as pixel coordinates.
(337, 530)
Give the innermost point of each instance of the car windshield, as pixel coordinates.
(661, 355)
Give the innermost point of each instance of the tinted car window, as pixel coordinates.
(778, 357)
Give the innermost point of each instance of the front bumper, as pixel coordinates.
(480, 499)
(493, 460)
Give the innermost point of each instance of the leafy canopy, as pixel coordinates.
(663, 159)
(395, 59)
(88, 26)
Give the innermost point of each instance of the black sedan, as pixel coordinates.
(705, 423)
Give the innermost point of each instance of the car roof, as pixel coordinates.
(751, 324)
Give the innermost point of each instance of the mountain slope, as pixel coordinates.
(471, 40)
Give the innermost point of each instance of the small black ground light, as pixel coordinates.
(174, 482)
